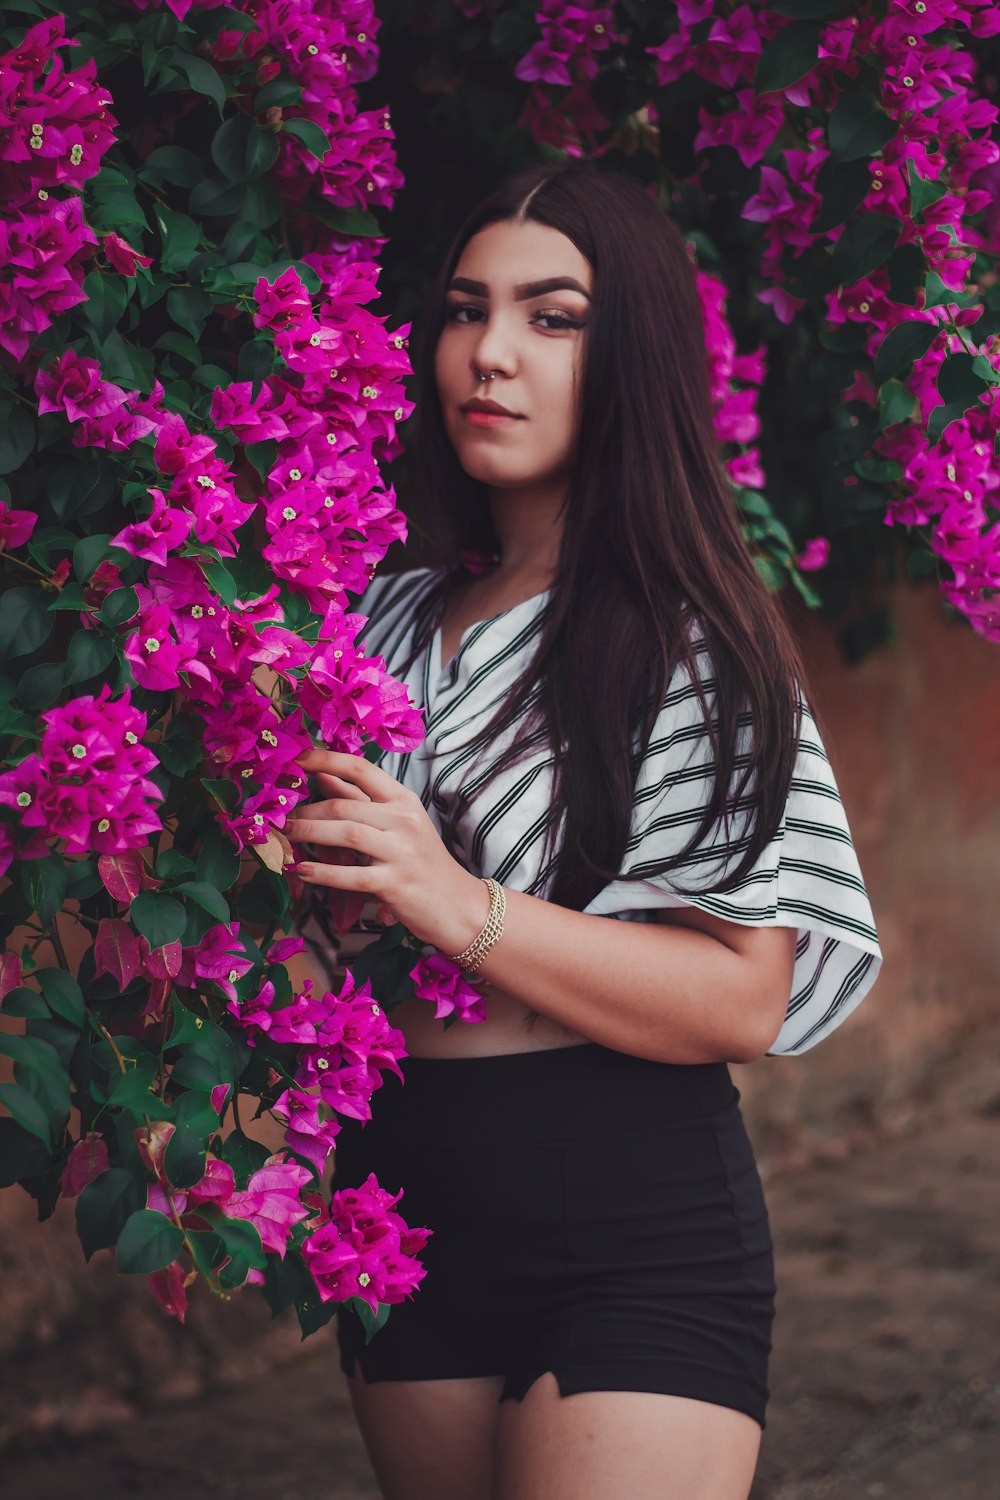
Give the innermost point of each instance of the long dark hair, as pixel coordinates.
(650, 535)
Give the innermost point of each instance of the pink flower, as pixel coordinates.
(219, 957)
(168, 1287)
(308, 1134)
(16, 526)
(815, 554)
(87, 1160)
(365, 1249)
(271, 1202)
(436, 978)
(122, 256)
(163, 531)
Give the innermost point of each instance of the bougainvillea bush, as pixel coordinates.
(196, 397)
(835, 169)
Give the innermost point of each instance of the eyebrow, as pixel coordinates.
(523, 290)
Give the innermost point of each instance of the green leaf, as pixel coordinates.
(906, 268)
(171, 864)
(159, 918)
(88, 655)
(943, 416)
(286, 1282)
(26, 1111)
(173, 165)
(243, 1245)
(64, 995)
(356, 222)
(120, 606)
(218, 861)
(936, 294)
(202, 77)
(189, 307)
(106, 301)
(148, 1241)
(180, 344)
(184, 1160)
(280, 93)
(88, 553)
(788, 56)
(181, 238)
(24, 1002)
(243, 151)
(104, 1206)
(40, 686)
(864, 245)
(243, 1154)
(225, 793)
(220, 580)
(207, 897)
(17, 438)
(924, 191)
(901, 346)
(310, 134)
(25, 622)
(842, 186)
(858, 126)
(957, 379)
(372, 1321)
(179, 751)
(197, 1112)
(44, 884)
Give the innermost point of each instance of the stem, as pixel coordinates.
(106, 1034)
(30, 567)
(236, 1109)
(56, 941)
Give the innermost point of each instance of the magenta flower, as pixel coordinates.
(219, 957)
(815, 554)
(16, 526)
(87, 1160)
(163, 531)
(437, 979)
(122, 256)
(307, 1133)
(365, 1249)
(271, 1202)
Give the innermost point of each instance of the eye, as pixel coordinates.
(552, 315)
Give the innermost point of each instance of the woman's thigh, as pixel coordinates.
(593, 1445)
(429, 1439)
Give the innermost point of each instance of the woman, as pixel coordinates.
(615, 729)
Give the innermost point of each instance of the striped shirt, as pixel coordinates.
(808, 877)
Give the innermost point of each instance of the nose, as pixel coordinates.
(492, 351)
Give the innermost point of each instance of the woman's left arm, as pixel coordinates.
(691, 988)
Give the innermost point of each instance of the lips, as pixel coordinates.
(492, 407)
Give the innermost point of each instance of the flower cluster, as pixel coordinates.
(440, 980)
(566, 53)
(345, 1042)
(102, 414)
(56, 128)
(364, 1249)
(328, 48)
(88, 783)
(933, 172)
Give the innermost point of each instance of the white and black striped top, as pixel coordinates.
(808, 876)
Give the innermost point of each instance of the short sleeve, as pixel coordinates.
(808, 877)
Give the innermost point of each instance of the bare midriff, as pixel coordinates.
(507, 1028)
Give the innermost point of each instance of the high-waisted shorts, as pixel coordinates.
(595, 1214)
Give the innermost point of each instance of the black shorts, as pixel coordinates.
(595, 1214)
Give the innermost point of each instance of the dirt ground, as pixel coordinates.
(885, 1376)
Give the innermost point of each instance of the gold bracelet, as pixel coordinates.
(471, 957)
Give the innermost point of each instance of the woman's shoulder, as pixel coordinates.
(392, 607)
